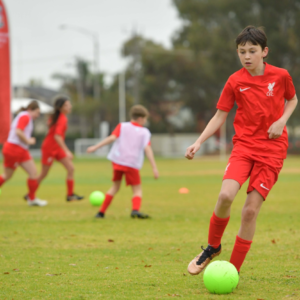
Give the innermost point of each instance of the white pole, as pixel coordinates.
(122, 98)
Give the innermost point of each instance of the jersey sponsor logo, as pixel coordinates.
(242, 90)
(270, 87)
(262, 185)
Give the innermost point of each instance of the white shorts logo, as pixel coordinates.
(262, 185)
(227, 168)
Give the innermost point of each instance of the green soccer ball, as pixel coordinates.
(221, 277)
(97, 198)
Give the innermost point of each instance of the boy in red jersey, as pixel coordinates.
(54, 146)
(260, 142)
(127, 156)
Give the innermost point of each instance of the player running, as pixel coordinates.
(54, 146)
(15, 151)
(260, 142)
(127, 156)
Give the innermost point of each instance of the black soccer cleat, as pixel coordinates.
(74, 197)
(139, 215)
(100, 215)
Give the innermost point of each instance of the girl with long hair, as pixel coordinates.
(54, 146)
(15, 151)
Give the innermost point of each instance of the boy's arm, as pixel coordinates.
(214, 124)
(276, 129)
(108, 140)
(60, 141)
(150, 156)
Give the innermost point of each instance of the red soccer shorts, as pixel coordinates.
(263, 171)
(49, 156)
(14, 155)
(132, 175)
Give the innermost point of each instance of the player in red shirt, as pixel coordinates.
(54, 146)
(15, 151)
(266, 98)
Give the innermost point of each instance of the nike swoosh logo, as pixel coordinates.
(262, 185)
(241, 90)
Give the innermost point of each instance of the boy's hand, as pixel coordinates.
(156, 173)
(276, 129)
(191, 150)
(91, 149)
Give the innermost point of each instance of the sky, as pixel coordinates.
(39, 48)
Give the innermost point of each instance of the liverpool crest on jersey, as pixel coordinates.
(270, 87)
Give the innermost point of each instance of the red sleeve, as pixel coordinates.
(23, 122)
(117, 130)
(289, 87)
(60, 126)
(227, 98)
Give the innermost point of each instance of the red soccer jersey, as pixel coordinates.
(260, 101)
(60, 128)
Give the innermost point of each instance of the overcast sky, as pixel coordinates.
(39, 48)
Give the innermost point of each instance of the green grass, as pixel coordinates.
(62, 252)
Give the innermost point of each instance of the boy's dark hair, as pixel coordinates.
(255, 36)
(138, 111)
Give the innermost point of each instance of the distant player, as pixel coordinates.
(15, 151)
(127, 156)
(55, 148)
(260, 142)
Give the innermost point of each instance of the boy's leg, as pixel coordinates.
(218, 223)
(110, 195)
(245, 235)
(263, 176)
(236, 173)
(136, 197)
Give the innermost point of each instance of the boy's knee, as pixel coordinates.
(248, 214)
(225, 198)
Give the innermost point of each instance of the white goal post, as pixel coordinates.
(82, 144)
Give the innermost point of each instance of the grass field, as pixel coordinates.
(62, 252)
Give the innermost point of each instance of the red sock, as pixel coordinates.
(70, 186)
(106, 203)
(216, 229)
(2, 180)
(239, 252)
(32, 186)
(136, 203)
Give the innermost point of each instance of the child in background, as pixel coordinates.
(54, 146)
(15, 151)
(127, 156)
(266, 98)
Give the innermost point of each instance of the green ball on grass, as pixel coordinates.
(221, 277)
(97, 198)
